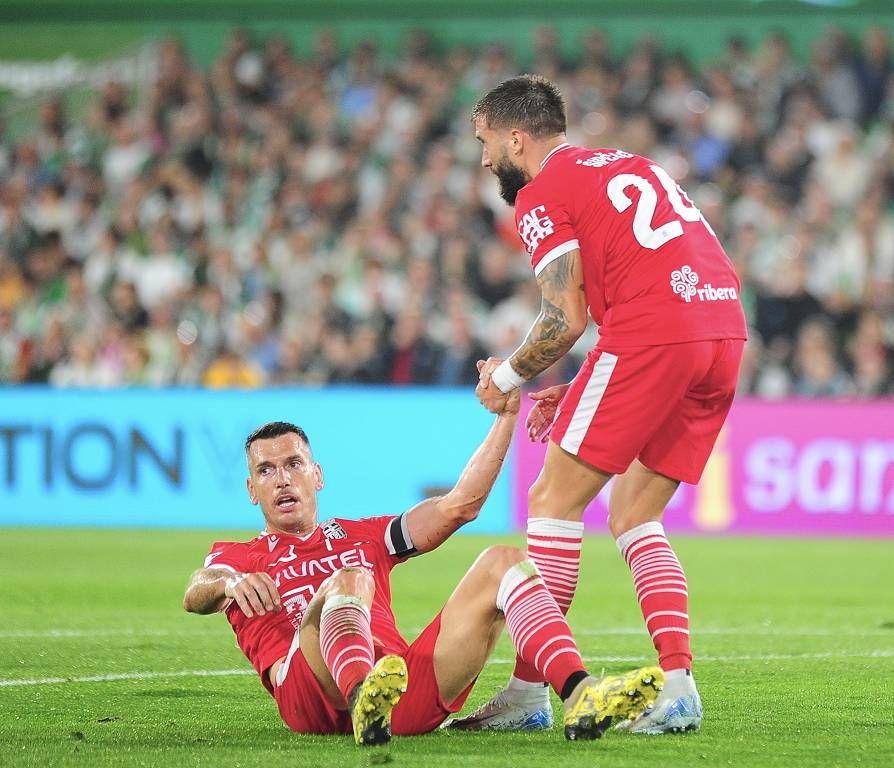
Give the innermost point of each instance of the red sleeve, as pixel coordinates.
(231, 555)
(544, 226)
(391, 532)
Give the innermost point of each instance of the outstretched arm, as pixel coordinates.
(562, 320)
(431, 522)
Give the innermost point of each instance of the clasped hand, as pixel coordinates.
(489, 394)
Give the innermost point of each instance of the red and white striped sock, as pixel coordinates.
(661, 590)
(554, 547)
(537, 626)
(346, 641)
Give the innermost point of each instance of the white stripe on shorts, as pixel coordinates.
(589, 402)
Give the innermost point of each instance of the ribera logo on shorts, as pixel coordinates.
(684, 282)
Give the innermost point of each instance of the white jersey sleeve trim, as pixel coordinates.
(222, 566)
(551, 256)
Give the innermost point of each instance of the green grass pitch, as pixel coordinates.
(794, 641)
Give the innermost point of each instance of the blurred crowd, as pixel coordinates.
(284, 219)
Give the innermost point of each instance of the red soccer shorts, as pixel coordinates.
(305, 708)
(664, 405)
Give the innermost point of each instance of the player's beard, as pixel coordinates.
(511, 178)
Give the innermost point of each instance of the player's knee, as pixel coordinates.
(549, 497)
(616, 525)
(620, 522)
(500, 558)
(539, 498)
(351, 581)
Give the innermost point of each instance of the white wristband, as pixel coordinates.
(506, 378)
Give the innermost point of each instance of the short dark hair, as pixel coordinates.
(275, 429)
(529, 102)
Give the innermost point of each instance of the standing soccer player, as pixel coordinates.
(610, 234)
(310, 605)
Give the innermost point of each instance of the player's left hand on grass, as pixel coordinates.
(488, 393)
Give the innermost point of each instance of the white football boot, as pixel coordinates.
(516, 707)
(677, 709)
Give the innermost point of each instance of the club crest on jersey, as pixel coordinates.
(295, 607)
(332, 530)
(534, 226)
(684, 282)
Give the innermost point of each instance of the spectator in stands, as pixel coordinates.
(875, 73)
(310, 219)
(819, 373)
(229, 369)
(412, 357)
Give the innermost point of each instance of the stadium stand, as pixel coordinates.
(309, 219)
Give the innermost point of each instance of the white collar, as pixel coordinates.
(563, 145)
(305, 537)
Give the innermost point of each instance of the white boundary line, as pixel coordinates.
(100, 632)
(758, 630)
(128, 676)
(886, 653)
(605, 631)
(876, 654)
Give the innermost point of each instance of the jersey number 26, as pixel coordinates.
(645, 235)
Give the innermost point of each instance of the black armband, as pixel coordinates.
(397, 538)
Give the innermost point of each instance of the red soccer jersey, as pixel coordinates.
(654, 272)
(298, 567)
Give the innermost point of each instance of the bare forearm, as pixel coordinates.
(481, 472)
(433, 521)
(562, 318)
(206, 591)
(549, 339)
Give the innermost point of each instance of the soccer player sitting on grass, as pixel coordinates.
(310, 604)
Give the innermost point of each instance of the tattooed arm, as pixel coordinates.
(562, 320)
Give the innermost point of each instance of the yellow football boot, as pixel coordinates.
(596, 700)
(372, 700)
